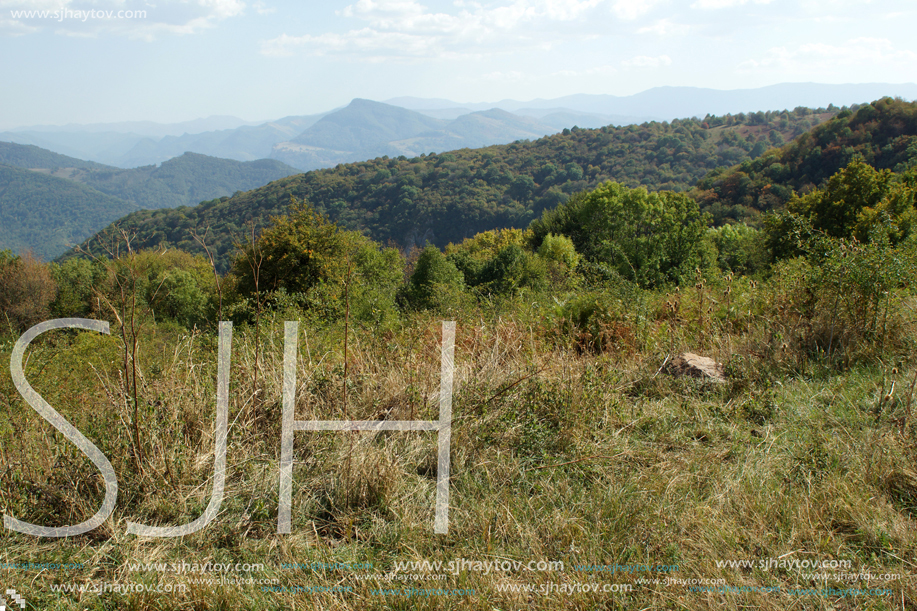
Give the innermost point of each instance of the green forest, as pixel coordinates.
(184, 180)
(50, 202)
(31, 156)
(48, 215)
(452, 196)
(882, 134)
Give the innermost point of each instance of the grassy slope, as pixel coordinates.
(557, 455)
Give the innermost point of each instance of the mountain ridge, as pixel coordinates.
(49, 202)
(366, 129)
(156, 143)
(451, 196)
(649, 105)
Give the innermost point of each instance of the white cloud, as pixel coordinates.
(815, 56)
(408, 29)
(644, 61)
(222, 9)
(262, 9)
(35, 5)
(717, 4)
(665, 27)
(365, 41)
(12, 27)
(513, 76)
(632, 9)
(597, 70)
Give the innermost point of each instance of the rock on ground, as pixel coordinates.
(696, 366)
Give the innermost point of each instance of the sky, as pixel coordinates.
(97, 61)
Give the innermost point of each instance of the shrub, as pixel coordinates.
(511, 270)
(651, 239)
(434, 283)
(560, 249)
(485, 245)
(855, 203)
(844, 302)
(604, 321)
(76, 279)
(26, 291)
(306, 262)
(179, 297)
(739, 249)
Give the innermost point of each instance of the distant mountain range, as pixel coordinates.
(141, 144)
(373, 129)
(366, 129)
(668, 103)
(49, 202)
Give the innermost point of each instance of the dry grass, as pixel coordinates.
(558, 454)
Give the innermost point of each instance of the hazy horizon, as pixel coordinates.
(115, 61)
(226, 122)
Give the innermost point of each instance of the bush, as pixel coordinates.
(379, 273)
(76, 279)
(651, 239)
(604, 321)
(26, 291)
(305, 261)
(855, 203)
(740, 249)
(845, 303)
(560, 249)
(179, 297)
(510, 271)
(434, 282)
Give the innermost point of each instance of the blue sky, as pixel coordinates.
(266, 59)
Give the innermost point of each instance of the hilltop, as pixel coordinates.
(884, 134)
(365, 129)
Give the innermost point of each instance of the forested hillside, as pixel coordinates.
(48, 215)
(448, 197)
(41, 192)
(884, 134)
(185, 180)
(33, 157)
